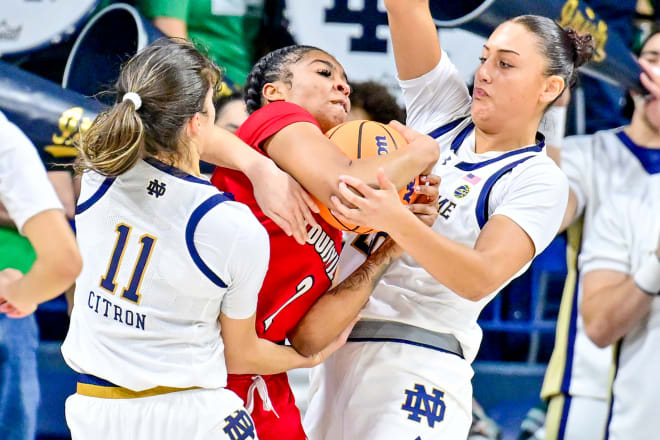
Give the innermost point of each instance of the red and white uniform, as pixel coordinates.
(297, 275)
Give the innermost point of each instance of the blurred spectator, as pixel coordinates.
(230, 111)
(234, 32)
(371, 100)
(577, 379)
(49, 258)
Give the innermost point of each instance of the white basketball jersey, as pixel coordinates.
(524, 185)
(163, 254)
(597, 166)
(624, 233)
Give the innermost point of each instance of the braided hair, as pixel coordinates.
(274, 66)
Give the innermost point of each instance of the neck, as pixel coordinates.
(642, 133)
(503, 140)
(188, 163)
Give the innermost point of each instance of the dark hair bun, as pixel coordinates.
(583, 46)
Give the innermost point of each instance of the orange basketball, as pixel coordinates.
(361, 139)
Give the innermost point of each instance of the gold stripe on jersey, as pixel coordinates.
(553, 416)
(110, 392)
(554, 374)
(614, 368)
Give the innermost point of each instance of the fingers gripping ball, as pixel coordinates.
(363, 139)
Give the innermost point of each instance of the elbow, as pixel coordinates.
(66, 264)
(598, 332)
(303, 343)
(478, 288)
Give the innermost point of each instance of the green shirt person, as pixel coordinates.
(226, 29)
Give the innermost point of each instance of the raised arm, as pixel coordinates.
(304, 152)
(414, 37)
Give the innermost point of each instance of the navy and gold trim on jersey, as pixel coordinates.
(195, 218)
(560, 368)
(100, 192)
(174, 171)
(93, 386)
(616, 359)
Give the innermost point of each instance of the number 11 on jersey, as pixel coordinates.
(147, 243)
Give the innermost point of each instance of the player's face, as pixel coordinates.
(232, 115)
(509, 81)
(651, 107)
(319, 85)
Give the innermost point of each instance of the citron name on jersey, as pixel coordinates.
(103, 307)
(325, 248)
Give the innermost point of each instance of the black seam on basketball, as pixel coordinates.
(333, 131)
(342, 223)
(359, 145)
(396, 147)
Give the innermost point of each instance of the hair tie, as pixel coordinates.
(134, 98)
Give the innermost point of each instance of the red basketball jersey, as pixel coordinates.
(297, 274)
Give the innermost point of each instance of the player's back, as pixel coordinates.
(159, 248)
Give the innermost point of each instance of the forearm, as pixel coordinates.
(227, 150)
(342, 303)
(261, 356)
(611, 312)
(468, 272)
(46, 280)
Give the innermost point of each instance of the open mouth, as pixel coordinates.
(343, 104)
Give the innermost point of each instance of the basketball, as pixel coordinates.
(362, 139)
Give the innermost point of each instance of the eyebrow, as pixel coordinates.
(330, 66)
(653, 53)
(503, 50)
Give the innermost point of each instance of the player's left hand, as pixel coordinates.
(426, 204)
(380, 209)
(8, 305)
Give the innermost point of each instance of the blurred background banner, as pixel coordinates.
(107, 40)
(27, 26)
(48, 114)
(356, 33)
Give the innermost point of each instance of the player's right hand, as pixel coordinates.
(9, 305)
(425, 145)
(284, 201)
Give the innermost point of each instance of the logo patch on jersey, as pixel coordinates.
(472, 178)
(239, 426)
(462, 191)
(421, 404)
(156, 188)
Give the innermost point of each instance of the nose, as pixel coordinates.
(483, 73)
(343, 87)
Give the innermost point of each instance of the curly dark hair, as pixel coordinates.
(377, 101)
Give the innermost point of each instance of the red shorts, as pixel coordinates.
(269, 427)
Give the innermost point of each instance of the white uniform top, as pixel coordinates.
(524, 185)
(177, 252)
(597, 166)
(24, 187)
(623, 234)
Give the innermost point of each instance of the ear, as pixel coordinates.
(194, 125)
(554, 85)
(276, 91)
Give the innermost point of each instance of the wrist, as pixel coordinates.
(647, 277)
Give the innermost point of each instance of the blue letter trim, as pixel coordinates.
(195, 218)
(105, 186)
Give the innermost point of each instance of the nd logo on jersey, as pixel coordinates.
(421, 404)
(239, 426)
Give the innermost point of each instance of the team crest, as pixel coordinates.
(462, 191)
(421, 404)
(239, 426)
